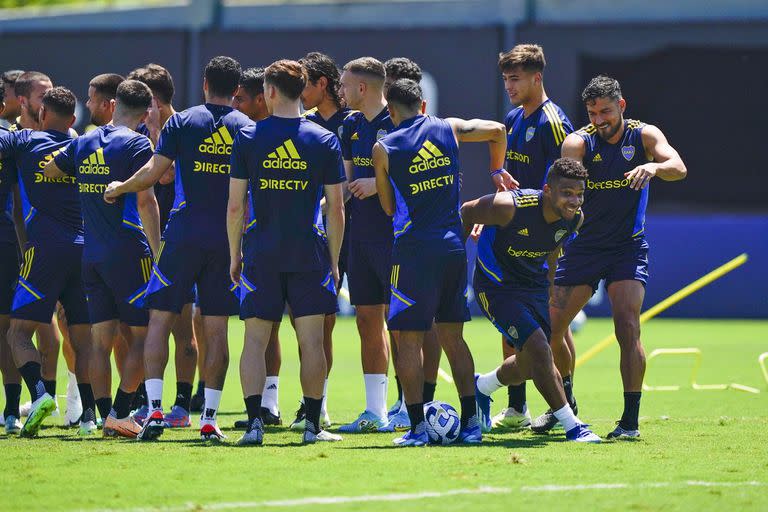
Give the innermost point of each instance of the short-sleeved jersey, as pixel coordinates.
(51, 206)
(424, 171)
(515, 255)
(7, 181)
(199, 140)
(533, 142)
(108, 153)
(614, 214)
(334, 124)
(368, 222)
(286, 161)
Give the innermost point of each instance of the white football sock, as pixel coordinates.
(489, 383)
(376, 394)
(566, 417)
(212, 400)
(154, 394)
(269, 395)
(323, 409)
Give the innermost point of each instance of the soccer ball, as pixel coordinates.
(443, 423)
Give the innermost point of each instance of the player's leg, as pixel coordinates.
(74, 405)
(82, 343)
(11, 379)
(328, 325)
(49, 345)
(431, 353)
(411, 371)
(516, 414)
(270, 412)
(185, 359)
(253, 376)
(198, 399)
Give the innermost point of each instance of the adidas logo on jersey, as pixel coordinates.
(94, 164)
(429, 157)
(219, 143)
(523, 232)
(355, 136)
(285, 156)
(597, 158)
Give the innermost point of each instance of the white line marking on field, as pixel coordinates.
(368, 498)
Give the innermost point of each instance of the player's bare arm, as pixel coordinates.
(149, 212)
(383, 185)
(51, 170)
(348, 171)
(238, 192)
(666, 163)
(494, 209)
(144, 178)
(573, 147)
(495, 134)
(334, 196)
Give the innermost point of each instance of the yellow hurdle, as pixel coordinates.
(696, 353)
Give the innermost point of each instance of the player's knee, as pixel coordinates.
(537, 346)
(627, 329)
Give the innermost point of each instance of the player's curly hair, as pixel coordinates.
(566, 168)
(252, 80)
(61, 101)
(223, 76)
(529, 57)
(320, 65)
(601, 87)
(402, 67)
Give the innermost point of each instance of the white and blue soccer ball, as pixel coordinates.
(443, 422)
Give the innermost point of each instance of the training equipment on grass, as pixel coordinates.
(667, 303)
(696, 353)
(444, 375)
(761, 361)
(443, 423)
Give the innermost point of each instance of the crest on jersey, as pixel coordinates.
(513, 332)
(529, 133)
(560, 234)
(380, 134)
(628, 152)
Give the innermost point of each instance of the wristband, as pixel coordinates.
(497, 171)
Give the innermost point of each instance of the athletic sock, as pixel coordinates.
(121, 407)
(468, 409)
(183, 395)
(429, 391)
(416, 415)
(12, 399)
(376, 394)
(566, 417)
(313, 406)
(140, 397)
(104, 405)
(253, 407)
(154, 388)
(631, 410)
(30, 372)
(212, 400)
(200, 387)
(568, 388)
(399, 389)
(86, 397)
(489, 383)
(324, 406)
(50, 387)
(517, 397)
(270, 394)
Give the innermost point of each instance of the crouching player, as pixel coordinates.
(516, 257)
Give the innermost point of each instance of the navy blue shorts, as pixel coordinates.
(9, 275)
(179, 267)
(116, 288)
(264, 293)
(517, 314)
(50, 274)
(368, 270)
(584, 266)
(427, 285)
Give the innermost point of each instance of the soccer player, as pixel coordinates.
(524, 231)
(51, 269)
(288, 163)
(417, 180)
(536, 128)
(101, 97)
(622, 156)
(117, 261)
(186, 340)
(193, 251)
(12, 106)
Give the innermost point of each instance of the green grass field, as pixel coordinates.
(700, 450)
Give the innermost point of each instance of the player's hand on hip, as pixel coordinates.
(363, 188)
(112, 192)
(504, 181)
(640, 176)
(477, 229)
(235, 269)
(168, 176)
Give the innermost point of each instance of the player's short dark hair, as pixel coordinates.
(61, 101)
(9, 77)
(405, 92)
(134, 96)
(25, 81)
(288, 76)
(223, 76)
(529, 57)
(566, 168)
(252, 80)
(158, 79)
(320, 65)
(367, 66)
(601, 87)
(106, 85)
(402, 67)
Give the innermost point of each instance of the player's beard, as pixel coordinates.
(34, 115)
(607, 134)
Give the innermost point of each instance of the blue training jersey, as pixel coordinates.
(533, 142)
(8, 179)
(368, 222)
(103, 155)
(333, 124)
(199, 140)
(614, 214)
(515, 256)
(286, 161)
(51, 206)
(424, 171)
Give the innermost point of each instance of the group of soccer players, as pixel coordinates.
(244, 204)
